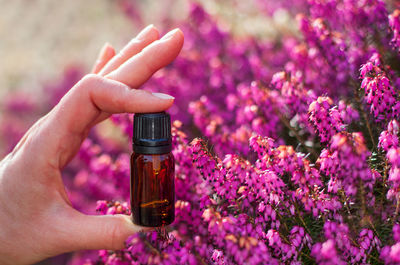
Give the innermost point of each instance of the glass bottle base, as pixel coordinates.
(153, 216)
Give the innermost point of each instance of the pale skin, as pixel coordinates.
(36, 217)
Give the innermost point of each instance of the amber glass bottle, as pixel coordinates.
(152, 170)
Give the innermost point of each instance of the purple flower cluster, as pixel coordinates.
(326, 46)
(389, 138)
(389, 142)
(328, 119)
(394, 23)
(346, 162)
(293, 166)
(339, 246)
(380, 94)
(391, 254)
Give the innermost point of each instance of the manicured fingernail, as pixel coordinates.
(170, 34)
(143, 34)
(163, 96)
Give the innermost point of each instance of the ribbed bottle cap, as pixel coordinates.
(152, 133)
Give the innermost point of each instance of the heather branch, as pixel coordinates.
(363, 114)
(396, 213)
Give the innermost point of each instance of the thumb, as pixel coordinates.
(101, 232)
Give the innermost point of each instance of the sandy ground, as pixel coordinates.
(38, 38)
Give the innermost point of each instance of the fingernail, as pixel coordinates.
(170, 34)
(163, 96)
(144, 32)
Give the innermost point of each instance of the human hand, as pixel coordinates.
(36, 217)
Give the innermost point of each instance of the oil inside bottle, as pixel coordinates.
(153, 189)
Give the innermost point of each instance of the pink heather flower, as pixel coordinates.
(391, 254)
(329, 119)
(292, 92)
(218, 257)
(347, 112)
(393, 127)
(345, 162)
(389, 142)
(396, 232)
(380, 95)
(326, 52)
(326, 253)
(393, 156)
(394, 23)
(395, 253)
(367, 241)
(389, 138)
(339, 238)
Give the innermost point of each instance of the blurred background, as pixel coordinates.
(39, 39)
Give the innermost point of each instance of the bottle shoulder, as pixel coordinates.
(150, 158)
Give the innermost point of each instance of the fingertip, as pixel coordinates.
(180, 38)
(165, 100)
(149, 32)
(153, 57)
(133, 227)
(175, 39)
(142, 101)
(180, 34)
(143, 39)
(175, 35)
(163, 51)
(109, 50)
(163, 96)
(106, 51)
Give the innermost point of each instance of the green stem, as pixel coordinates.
(288, 231)
(150, 246)
(199, 258)
(362, 197)
(346, 204)
(284, 224)
(396, 213)
(363, 114)
(301, 218)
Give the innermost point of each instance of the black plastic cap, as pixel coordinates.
(152, 133)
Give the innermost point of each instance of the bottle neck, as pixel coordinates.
(152, 150)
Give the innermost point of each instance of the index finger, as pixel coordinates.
(138, 69)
